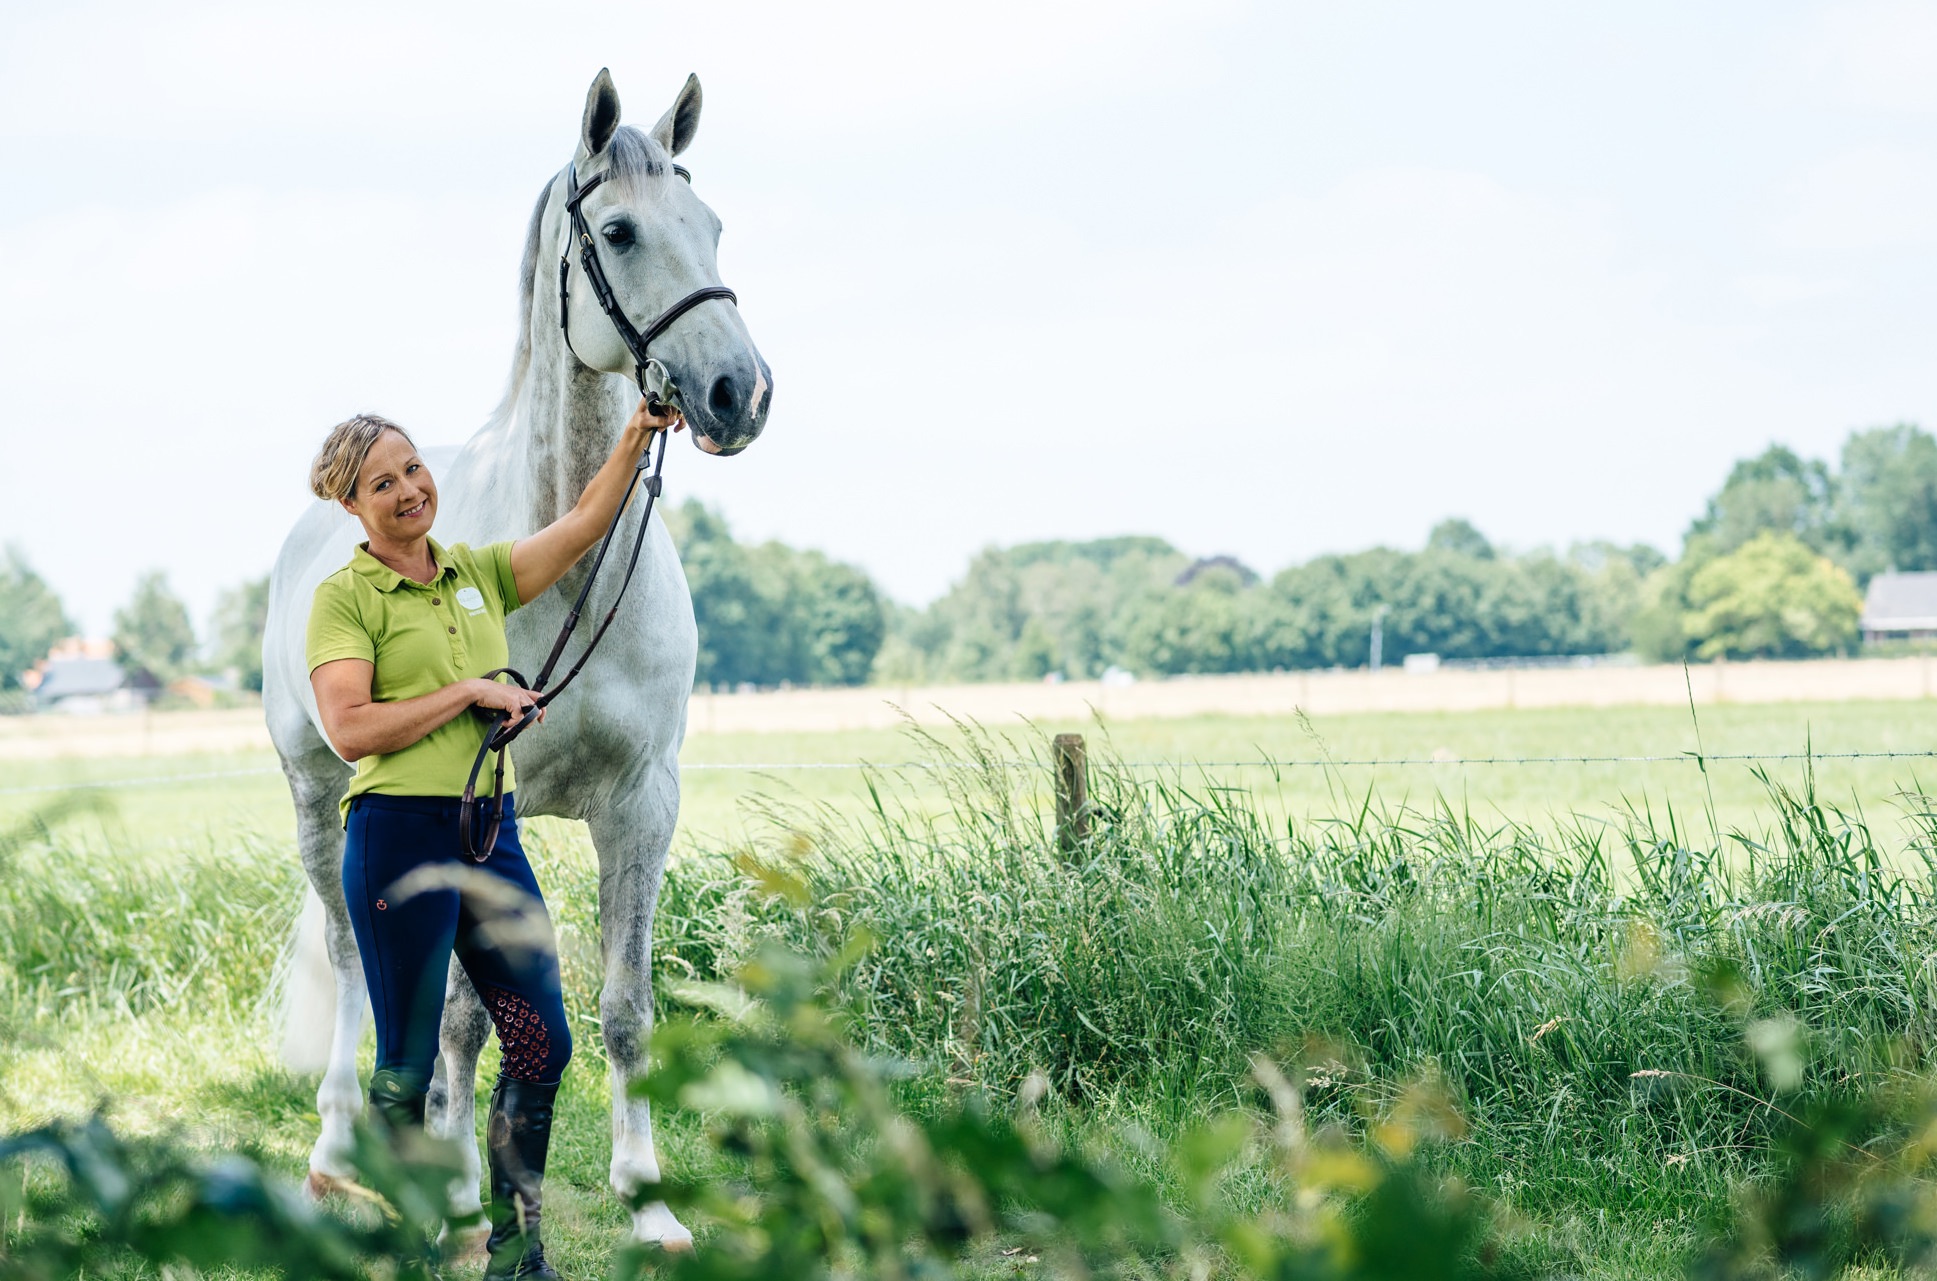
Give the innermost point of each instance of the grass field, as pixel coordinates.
(716, 806)
(1434, 931)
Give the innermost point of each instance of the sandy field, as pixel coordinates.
(1076, 702)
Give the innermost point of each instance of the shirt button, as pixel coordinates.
(453, 631)
(435, 601)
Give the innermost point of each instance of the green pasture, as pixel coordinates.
(720, 802)
(1525, 937)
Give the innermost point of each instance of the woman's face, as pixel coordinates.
(395, 497)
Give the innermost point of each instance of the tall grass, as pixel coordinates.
(86, 931)
(1583, 991)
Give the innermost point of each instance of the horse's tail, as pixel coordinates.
(307, 988)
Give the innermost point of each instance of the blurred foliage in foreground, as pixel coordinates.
(838, 1181)
(80, 1200)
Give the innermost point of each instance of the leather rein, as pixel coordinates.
(471, 812)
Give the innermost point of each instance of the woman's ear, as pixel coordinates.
(349, 505)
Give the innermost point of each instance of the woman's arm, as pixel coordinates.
(360, 727)
(542, 559)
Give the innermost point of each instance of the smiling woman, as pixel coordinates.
(401, 643)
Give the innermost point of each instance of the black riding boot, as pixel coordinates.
(394, 1105)
(516, 1137)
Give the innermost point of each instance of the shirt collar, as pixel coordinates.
(386, 579)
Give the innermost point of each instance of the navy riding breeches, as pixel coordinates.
(415, 899)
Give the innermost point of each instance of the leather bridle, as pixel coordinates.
(638, 342)
(588, 261)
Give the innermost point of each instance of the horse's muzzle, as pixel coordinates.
(730, 414)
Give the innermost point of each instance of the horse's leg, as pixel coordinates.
(453, 1089)
(633, 834)
(316, 782)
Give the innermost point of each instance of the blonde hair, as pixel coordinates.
(332, 477)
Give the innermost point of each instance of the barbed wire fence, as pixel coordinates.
(1440, 761)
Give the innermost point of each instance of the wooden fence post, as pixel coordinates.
(1072, 793)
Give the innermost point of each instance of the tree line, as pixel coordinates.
(1773, 567)
(768, 615)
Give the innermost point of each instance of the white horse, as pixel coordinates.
(608, 751)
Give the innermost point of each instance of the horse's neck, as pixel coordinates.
(570, 419)
(557, 426)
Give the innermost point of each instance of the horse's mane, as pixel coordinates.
(632, 155)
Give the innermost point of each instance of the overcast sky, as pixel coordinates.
(1264, 279)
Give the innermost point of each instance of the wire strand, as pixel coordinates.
(768, 767)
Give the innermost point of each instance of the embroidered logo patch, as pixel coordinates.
(471, 598)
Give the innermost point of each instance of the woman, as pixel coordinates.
(399, 640)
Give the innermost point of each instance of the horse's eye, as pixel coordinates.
(618, 235)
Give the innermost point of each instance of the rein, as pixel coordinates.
(658, 389)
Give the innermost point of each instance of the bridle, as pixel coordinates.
(588, 259)
(655, 386)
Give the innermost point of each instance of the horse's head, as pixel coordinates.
(657, 243)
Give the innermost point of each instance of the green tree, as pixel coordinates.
(735, 633)
(1328, 604)
(241, 616)
(1772, 597)
(1459, 536)
(1776, 491)
(1021, 612)
(1655, 625)
(772, 614)
(1215, 623)
(1455, 603)
(835, 617)
(1887, 497)
(152, 630)
(31, 618)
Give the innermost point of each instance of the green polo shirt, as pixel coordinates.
(419, 637)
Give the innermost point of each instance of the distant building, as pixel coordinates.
(89, 685)
(1900, 607)
(202, 691)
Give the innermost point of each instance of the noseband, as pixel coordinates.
(653, 384)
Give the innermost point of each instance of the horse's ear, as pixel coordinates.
(601, 114)
(676, 128)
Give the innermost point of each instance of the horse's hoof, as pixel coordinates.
(655, 1225)
(319, 1185)
(463, 1245)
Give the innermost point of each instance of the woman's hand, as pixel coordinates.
(513, 700)
(639, 428)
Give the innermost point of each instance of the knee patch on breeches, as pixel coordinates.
(532, 1046)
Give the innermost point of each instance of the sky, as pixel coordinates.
(1265, 279)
